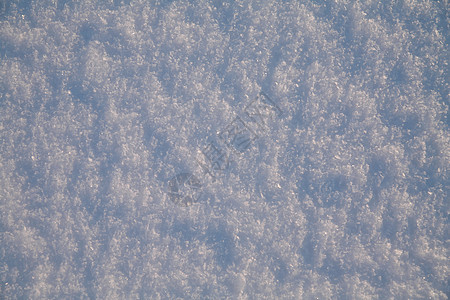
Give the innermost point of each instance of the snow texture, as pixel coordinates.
(224, 149)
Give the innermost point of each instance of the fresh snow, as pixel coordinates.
(224, 149)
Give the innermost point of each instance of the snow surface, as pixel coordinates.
(341, 190)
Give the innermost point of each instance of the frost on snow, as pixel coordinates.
(224, 149)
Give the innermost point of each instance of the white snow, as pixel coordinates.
(335, 188)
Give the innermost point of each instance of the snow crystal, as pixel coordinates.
(223, 149)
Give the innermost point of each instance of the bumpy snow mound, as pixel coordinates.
(224, 149)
